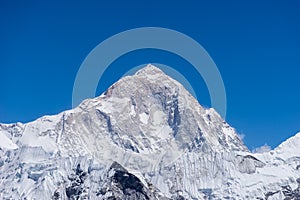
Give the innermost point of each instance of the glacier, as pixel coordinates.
(145, 137)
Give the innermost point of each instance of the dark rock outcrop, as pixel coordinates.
(122, 185)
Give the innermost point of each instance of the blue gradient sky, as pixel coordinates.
(256, 47)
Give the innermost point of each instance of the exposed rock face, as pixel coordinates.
(248, 164)
(162, 143)
(122, 185)
(285, 192)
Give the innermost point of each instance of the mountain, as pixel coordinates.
(146, 137)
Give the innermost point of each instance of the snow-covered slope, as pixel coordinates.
(149, 128)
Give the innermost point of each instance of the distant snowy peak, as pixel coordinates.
(290, 147)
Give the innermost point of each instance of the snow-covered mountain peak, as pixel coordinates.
(159, 106)
(159, 139)
(150, 70)
(148, 115)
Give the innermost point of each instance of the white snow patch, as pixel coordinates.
(144, 118)
(158, 117)
(114, 104)
(47, 143)
(164, 132)
(132, 111)
(6, 143)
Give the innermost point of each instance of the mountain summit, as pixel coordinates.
(145, 137)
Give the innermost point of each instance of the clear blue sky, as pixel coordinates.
(256, 46)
